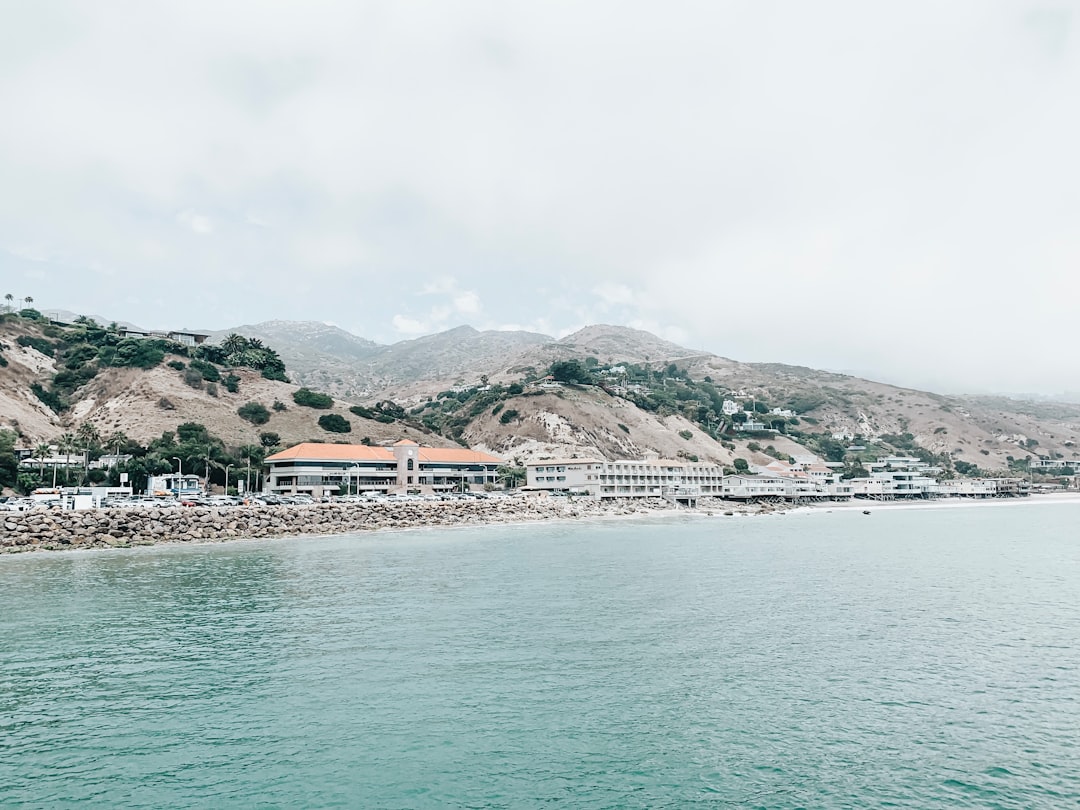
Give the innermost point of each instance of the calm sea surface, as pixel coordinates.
(919, 658)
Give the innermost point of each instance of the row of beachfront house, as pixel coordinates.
(319, 470)
(890, 478)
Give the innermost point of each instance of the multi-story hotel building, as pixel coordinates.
(645, 478)
(325, 469)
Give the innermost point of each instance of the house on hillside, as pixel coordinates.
(184, 338)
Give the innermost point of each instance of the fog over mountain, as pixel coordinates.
(841, 185)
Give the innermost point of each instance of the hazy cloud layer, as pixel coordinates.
(889, 188)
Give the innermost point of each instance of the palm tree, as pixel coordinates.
(234, 344)
(89, 435)
(41, 451)
(116, 439)
(89, 438)
(511, 476)
(28, 301)
(9, 298)
(67, 443)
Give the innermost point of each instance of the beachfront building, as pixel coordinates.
(627, 478)
(174, 484)
(405, 467)
(809, 479)
(757, 487)
(984, 488)
(1044, 463)
(894, 477)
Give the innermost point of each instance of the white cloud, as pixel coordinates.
(410, 326)
(768, 182)
(467, 303)
(198, 223)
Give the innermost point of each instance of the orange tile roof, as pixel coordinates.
(362, 452)
(333, 452)
(450, 455)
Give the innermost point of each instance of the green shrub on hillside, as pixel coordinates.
(68, 380)
(177, 364)
(134, 353)
(46, 347)
(254, 412)
(208, 370)
(232, 383)
(335, 423)
(50, 398)
(313, 399)
(77, 356)
(508, 416)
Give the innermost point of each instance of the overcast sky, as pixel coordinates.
(892, 189)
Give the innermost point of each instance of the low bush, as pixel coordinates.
(312, 399)
(46, 347)
(335, 423)
(508, 416)
(208, 370)
(51, 399)
(177, 364)
(254, 412)
(193, 377)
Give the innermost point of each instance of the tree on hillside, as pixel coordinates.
(237, 350)
(570, 371)
(9, 298)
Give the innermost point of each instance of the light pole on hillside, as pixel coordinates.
(179, 474)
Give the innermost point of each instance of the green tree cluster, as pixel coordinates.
(312, 399)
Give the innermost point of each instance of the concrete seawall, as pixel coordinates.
(45, 529)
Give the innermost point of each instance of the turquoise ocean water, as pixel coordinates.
(910, 658)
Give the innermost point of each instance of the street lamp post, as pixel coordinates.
(179, 474)
(227, 468)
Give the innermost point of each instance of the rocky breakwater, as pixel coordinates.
(50, 529)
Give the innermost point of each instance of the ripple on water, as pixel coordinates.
(796, 662)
